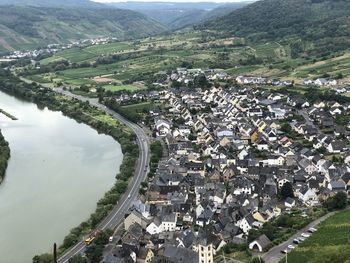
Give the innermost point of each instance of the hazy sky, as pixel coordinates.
(184, 1)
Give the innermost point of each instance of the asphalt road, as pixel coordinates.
(274, 255)
(116, 216)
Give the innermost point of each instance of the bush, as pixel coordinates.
(339, 201)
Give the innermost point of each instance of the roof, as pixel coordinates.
(289, 200)
(180, 255)
(263, 241)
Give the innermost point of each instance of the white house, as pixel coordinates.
(162, 127)
(154, 227)
(168, 222)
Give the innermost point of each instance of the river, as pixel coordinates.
(57, 172)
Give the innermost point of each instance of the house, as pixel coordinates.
(135, 217)
(168, 222)
(205, 250)
(337, 185)
(162, 127)
(261, 144)
(308, 195)
(261, 244)
(247, 223)
(178, 255)
(337, 147)
(289, 202)
(154, 227)
(145, 255)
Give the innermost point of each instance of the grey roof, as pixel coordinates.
(180, 255)
(289, 200)
(263, 241)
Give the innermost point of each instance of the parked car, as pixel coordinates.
(296, 241)
(312, 230)
(305, 235)
(284, 251)
(110, 239)
(301, 239)
(291, 247)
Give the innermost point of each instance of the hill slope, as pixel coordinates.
(316, 26)
(176, 15)
(53, 3)
(28, 27)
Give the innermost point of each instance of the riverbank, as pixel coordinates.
(97, 119)
(4, 156)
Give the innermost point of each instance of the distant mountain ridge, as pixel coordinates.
(26, 27)
(53, 3)
(177, 15)
(317, 26)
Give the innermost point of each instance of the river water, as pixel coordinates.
(58, 171)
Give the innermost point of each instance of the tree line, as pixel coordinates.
(81, 112)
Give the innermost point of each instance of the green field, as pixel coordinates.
(121, 87)
(330, 243)
(139, 107)
(137, 59)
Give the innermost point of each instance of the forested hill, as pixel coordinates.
(315, 25)
(24, 27)
(53, 3)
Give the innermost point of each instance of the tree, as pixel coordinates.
(257, 260)
(286, 128)
(44, 258)
(77, 259)
(287, 190)
(339, 201)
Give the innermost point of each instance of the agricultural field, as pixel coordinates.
(140, 107)
(330, 243)
(121, 87)
(149, 55)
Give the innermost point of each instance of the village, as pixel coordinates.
(54, 48)
(234, 158)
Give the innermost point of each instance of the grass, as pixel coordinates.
(332, 237)
(121, 87)
(109, 48)
(169, 52)
(139, 107)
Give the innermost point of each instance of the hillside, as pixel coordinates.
(29, 27)
(178, 15)
(53, 3)
(314, 26)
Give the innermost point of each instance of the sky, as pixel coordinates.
(178, 1)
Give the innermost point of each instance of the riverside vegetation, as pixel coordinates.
(4, 156)
(103, 123)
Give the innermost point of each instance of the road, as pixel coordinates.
(116, 216)
(274, 255)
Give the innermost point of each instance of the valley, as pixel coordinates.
(233, 121)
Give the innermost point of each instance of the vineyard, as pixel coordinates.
(330, 243)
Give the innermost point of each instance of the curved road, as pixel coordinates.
(116, 216)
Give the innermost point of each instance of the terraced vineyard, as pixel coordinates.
(128, 61)
(330, 243)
